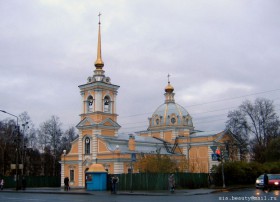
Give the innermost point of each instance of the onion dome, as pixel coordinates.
(169, 88)
(170, 114)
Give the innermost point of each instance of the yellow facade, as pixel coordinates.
(170, 132)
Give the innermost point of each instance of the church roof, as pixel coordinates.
(205, 133)
(142, 144)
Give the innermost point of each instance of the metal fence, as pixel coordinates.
(136, 181)
(159, 181)
(33, 181)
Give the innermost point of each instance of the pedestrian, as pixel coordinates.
(115, 181)
(171, 183)
(23, 183)
(265, 182)
(2, 183)
(66, 183)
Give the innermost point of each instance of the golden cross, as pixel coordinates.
(168, 77)
(99, 17)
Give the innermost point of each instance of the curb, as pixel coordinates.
(47, 192)
(178, 193)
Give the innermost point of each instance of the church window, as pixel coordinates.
(87, 146)
(157, 121)
(173, 120)
(72, 176)
(107, 104)
(90, 103)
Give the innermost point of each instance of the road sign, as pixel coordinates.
(213, 148)
(215, 157)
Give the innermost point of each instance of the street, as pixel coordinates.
(237, 195)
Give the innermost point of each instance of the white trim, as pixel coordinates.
(118, 168)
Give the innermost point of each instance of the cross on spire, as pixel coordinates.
(168, 76)
(99, 18)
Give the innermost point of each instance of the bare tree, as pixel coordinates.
(27, 130)
(50, 137)
(68, 136)
(237, 124)
(255, 123)
(8, 146)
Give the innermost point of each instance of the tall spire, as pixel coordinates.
(99, 63)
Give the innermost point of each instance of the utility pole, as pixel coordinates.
(223, 173)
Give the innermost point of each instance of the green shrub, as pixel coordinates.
(240, 172)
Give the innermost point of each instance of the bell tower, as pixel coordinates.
(99, 99)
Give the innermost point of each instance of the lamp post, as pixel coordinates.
(64, 154)
(23, 147)
(17, 149)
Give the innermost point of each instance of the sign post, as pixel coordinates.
(133, 159)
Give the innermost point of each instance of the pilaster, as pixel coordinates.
(81, 174)
(98, 100)
(62, 175)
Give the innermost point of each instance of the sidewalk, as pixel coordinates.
(184, 192)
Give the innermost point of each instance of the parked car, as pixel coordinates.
(273, 181)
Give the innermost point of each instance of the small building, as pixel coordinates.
(96, 178)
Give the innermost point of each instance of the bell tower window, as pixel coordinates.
(87, 145)
(107, 104)
(90, 104)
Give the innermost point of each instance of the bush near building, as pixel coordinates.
(239, 173)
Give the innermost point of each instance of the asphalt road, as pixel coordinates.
(237, 195)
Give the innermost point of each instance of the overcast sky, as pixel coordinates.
(218, 53)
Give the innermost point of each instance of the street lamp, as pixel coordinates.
(17, 149)
(10, 114)
(23, 147)
(64, 154)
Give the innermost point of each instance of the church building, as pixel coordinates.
(170, 131)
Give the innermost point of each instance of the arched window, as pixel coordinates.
(107, 104)
(157, 121)
(87, 145)
(90, 103)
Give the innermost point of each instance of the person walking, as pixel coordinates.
(2, 184)
(171, 183)
(265, 182)
(66, 183)
(115, 181)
